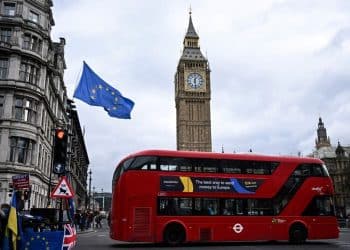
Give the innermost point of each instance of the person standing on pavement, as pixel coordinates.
(4, 214)
(109, 218)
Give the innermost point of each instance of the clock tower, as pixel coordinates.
(192, 96)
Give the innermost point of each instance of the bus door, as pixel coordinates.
(251, 228)
(141, 222)
(251, 220)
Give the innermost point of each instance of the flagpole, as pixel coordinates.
(77, 79)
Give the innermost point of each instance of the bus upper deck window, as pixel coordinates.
(144, 162)
(175, 164)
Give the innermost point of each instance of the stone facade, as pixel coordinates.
(337, 160)
(192, 96)
(79, 161)
(33, 97)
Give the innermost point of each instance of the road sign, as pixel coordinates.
(63, 189)
(20, 181)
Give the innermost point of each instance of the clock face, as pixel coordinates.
(195, 80)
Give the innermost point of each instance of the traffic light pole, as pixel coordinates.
(50, 177)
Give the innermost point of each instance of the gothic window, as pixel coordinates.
(3, 68)
(39, 156)
(33, 16)
(9, 9)
(31, 42)
(50, 97)
(5, 34)
(2, 102)
(25, 109)
(29, 71)
(21, 150)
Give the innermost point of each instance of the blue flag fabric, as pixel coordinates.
(93, 90)
(71, 207)
(52, 240)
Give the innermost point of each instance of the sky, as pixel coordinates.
(276, 67)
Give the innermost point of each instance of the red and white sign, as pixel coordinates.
(20, 181)
(63, 189)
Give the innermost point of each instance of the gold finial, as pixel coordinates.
(190, 10)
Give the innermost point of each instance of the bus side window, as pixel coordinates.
(175, 164)
(321, 205)
(305, 170)
(170, 208)
(230, 167)
(197, 210)
(317, 170)
(144, 163)
(185, 207)
(167, 206)
(149, 166)
(228, 206)
(211, 206)
(206, 165)
(239, 207)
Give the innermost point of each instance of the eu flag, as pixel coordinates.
(93, 90)
(52, 240)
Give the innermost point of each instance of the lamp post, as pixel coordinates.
(89, 199)
(103, 200)
(93, 199)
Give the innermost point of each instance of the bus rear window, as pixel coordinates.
(120, 170)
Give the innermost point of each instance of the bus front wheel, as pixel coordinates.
(174, 234)
(297, 234)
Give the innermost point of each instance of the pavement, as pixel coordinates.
(86, 231)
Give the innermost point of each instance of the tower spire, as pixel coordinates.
(191, 32)
(322, 139)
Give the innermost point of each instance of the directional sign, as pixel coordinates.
(63, 189)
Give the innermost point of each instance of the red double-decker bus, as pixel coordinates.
(178, 196)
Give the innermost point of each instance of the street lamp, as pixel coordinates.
(89, 200)
(93, 199)
(103, 200)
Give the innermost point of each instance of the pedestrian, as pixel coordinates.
(109, 218)
(98, 221)
(4, 214)
(83, 221)
(89, 219)
(77, 219)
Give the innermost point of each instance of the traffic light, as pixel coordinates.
(10, 189)
(60, 151)
(26, 195)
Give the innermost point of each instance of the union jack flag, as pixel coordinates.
(70, 237)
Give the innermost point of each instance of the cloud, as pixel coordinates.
(277, 65)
